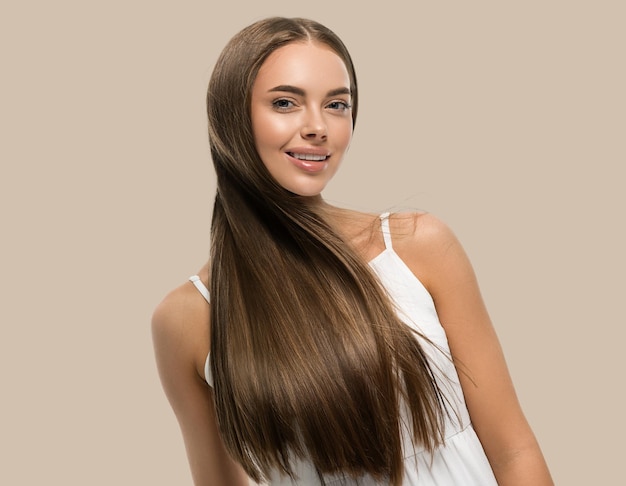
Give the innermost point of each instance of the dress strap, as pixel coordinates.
(201, 287)
(384, 226)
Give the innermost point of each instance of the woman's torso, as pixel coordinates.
(460, 460)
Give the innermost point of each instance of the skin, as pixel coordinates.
(313, 117)
(300, 103)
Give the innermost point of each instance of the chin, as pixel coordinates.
(306, 194)
(305, 190)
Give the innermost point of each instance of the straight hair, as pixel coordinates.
(309, 359)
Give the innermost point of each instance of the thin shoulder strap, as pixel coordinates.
(384, 226)
(201, 287)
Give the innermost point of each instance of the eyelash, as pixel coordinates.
(344, 106)
(276, 104)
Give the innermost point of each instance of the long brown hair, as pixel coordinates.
(309, 359)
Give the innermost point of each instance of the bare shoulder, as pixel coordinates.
(180, 328)
(426, 244)
(420, 229)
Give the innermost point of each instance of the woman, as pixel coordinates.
(330, 348)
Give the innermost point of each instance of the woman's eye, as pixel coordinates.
(339, 105)
(283, 104)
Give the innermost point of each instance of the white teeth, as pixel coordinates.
(317, 158)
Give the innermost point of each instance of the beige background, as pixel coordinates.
(507, 121)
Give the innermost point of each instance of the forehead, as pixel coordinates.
(303, 64)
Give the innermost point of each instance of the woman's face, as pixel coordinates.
(301, 116)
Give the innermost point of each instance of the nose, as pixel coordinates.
(314, 126)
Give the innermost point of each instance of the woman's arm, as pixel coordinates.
(180, 330)
(439, 261)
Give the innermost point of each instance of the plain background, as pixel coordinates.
(505, 119)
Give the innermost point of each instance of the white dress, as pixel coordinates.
(461, 459)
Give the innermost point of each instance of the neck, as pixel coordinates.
(315, 202)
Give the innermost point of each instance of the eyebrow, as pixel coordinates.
(300, 92)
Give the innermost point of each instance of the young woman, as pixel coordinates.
(321, 345)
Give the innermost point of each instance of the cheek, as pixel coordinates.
(270, 131)
(343, 133)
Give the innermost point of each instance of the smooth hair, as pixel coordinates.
(309, 358)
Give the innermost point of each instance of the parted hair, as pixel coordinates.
(309, 358)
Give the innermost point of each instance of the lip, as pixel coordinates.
(311, 166)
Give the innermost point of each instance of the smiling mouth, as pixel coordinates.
(309, 157)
